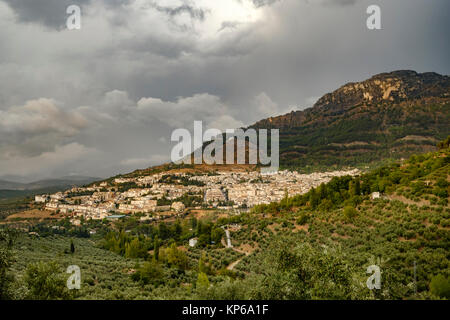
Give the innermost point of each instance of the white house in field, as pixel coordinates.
(41, 198)
(375, 195)
(193, 242)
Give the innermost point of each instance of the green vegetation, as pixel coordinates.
(46, 282)
(312, 246)
(6, 260)
(440, 286)
(13, 205)
(185, 181)
(420, 176)
(360, 135)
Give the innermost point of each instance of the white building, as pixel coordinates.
(41, 199)
(178, 206)
(192, 242)
(375, 195)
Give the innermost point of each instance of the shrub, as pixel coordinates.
(350, 213)
(46, 282)
(150, 272)
(440, 286)
(202, 282)
(440, 192)
(303, 219)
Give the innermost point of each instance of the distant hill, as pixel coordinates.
(11, 185)
(19, 195)
(389, 116)
(63, 182)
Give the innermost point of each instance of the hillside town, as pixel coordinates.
(172, 193)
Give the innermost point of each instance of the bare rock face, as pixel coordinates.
(393, 87)
(386, 88)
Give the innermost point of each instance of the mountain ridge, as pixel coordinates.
(390, 115)
(329, 100)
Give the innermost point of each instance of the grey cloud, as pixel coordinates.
(50, 163)
(37, 127)
(333, 2)
(170, 48)
(229, 25)
(194, 13)
(261, 3)
(133, 76)
(184, 111)
(51, 13)
(338, 2)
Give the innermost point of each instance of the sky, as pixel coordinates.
(105, 99)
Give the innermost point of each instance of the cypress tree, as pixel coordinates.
(156, 248)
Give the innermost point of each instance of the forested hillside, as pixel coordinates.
(389, 116)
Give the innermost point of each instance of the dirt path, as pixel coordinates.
(227, 232)
(233, 264)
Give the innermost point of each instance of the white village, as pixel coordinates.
(161, 195)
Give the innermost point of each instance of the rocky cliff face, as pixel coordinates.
(386, 88)
(393, 87)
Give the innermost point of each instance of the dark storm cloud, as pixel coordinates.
(340, 2)
(51, 13)
(229, 24)
(194, 13)
(261, 3)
